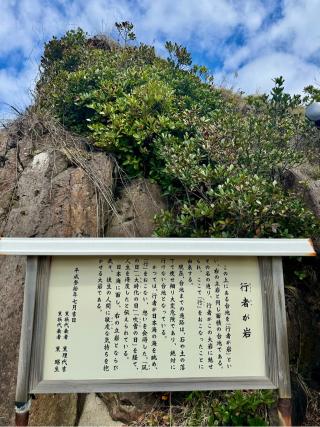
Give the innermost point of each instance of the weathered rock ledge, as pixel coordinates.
(44, 194)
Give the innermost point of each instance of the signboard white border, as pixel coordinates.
(38, 385)
(39, 252)
(155, 246)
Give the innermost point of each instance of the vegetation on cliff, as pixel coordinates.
(219, 157)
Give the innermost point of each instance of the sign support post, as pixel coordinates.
(284, 402)
(23, 402)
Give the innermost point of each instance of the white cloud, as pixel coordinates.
(288, 45)
(257, 74)
(15, 89)
(27, 24)
(299, 27)
(185, 19)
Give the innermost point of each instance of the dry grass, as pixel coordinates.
(42, 131)
(313, 409)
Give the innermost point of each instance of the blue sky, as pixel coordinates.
(245, 43)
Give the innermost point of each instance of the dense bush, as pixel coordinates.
(218, 156)
(231, 408)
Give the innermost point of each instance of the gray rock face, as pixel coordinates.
(43, 195)
(136, 207)
(303, 306)
(11, 299)
(54, 410)
(128, 407)
(309, 187)
(52, 199)
(96, 413)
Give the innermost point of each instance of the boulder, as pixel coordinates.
(136, 207)
(54, 410)
(96, 413)
(301, 180)
(54, 200)
(41, 195)
(128, 407)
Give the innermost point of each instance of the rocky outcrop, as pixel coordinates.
(96, 413)
(52, 199)
(302, 181)
(128, 407)
(302, 303)
(54, 410)
(44, 194)
(139, 202)
(49, 198)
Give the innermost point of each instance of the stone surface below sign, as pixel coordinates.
(154, 318)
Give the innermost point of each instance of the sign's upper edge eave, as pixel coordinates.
(156, 246)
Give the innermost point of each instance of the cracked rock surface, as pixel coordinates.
(139, 202)
(42, 194)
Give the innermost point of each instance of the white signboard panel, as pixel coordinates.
(144, 318)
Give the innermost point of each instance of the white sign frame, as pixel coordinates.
(39, 252)
(38, 385)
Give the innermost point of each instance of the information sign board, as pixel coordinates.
(153, 319)
(153, 314)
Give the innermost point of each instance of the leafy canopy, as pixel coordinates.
(220, 157)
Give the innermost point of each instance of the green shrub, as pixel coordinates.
(243, 205)
(229, 409)
(219, 157)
